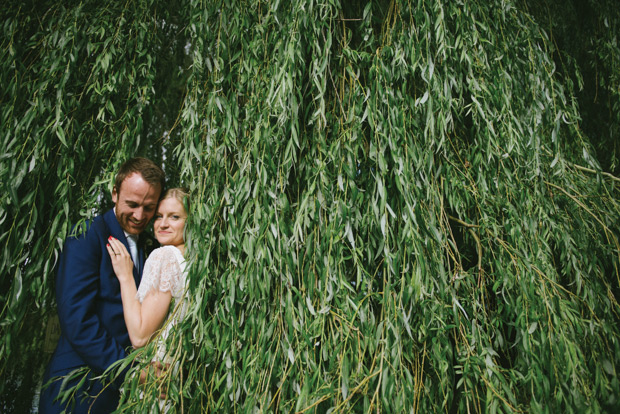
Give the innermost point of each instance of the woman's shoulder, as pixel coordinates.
(165, 252)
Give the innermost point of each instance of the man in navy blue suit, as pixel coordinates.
(88, 296)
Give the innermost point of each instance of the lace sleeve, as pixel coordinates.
(162, 272)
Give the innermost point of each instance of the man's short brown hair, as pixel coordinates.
(151, 173)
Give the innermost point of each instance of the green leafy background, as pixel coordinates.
(397, 206)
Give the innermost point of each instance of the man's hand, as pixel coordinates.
(155, 372)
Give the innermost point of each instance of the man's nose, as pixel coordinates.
(138, 214)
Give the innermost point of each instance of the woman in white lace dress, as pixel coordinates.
(162, 288)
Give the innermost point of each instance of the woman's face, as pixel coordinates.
(170, 222)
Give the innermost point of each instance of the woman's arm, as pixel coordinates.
(142, 319)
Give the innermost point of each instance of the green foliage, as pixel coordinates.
(394, 206)
(585, 35)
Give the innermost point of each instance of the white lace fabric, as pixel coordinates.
(164, 271)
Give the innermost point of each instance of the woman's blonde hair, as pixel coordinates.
(181, 194)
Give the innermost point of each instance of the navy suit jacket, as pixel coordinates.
(90, 310)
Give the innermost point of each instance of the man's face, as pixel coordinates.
(136, 202)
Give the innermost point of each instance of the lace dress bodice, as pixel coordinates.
(164, 270)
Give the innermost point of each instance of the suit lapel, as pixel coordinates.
(140, 256)
(117, 232)
(115, 229)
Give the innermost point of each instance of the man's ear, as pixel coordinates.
(114, 195)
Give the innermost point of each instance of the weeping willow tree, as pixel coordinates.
(395, 206)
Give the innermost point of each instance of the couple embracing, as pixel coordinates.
(109, 296)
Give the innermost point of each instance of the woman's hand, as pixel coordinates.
(121, 259)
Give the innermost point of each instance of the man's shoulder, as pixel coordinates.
(148, 243)
(94, 228)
